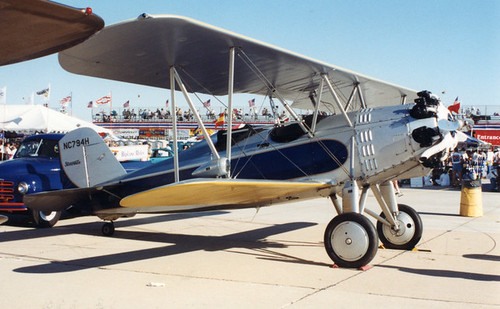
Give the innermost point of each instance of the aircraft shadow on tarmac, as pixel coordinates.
(486, 257)
(446, 273)
(253, 240)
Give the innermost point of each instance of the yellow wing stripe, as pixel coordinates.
(210, 193)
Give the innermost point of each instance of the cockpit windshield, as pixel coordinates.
(38, 148)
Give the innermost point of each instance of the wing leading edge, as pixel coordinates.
(150, 45)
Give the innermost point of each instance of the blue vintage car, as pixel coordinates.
(36, 167)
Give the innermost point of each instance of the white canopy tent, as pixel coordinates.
(25, 118)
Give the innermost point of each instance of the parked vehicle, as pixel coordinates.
(35, 168)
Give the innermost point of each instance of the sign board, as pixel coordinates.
(127, 133)
(132, 152)
(489, 136)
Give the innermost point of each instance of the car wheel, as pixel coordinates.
(45, 219)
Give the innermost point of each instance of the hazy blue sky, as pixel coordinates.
(451, 46)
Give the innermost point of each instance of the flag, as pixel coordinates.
(3, 95)
(65, 101)
(44, 92)
(251, 103)
(197, 131)
(206, 104)
(90, 104)
(103, 100)
(126, 104)
(455, 107)
(219, 121)
(166, 103)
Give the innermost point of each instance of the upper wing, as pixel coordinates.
(142, 50)
(34, 28)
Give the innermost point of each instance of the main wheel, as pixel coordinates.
(409, 233)
(351, 240)
(46, 218)
(108, 229)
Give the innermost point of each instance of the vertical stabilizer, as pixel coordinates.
(87, 160)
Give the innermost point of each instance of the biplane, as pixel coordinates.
(362, 134)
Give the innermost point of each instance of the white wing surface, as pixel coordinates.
(142, 50)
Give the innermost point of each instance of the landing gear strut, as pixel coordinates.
(108, 229)
(351, 240)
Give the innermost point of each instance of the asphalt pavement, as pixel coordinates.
(271, 257)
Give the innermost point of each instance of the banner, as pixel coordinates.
(127, 133)
(489, 136)
(133, 152)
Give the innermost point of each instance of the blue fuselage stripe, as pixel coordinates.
(291, 162)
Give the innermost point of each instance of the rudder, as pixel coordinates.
(87, 160)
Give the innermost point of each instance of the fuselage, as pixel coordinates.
(384, 150)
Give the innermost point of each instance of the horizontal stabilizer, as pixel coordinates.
(211, 192)
(3, 219)
(56, 200)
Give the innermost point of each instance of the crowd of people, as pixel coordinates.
(147, 114)
(469, 165)
(7, 149)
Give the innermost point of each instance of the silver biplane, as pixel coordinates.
(374, 132)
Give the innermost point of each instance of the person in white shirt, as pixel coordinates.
(444, 180)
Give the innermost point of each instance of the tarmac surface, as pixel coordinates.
(270, 258)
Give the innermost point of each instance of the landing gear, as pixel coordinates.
(351, 240)
(408, 234)
(108, 229)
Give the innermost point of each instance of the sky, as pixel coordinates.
(450, 46)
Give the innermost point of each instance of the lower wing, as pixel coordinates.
(212, 192)
(185, 195)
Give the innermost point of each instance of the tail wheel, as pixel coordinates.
(46, 218)
(409, 233)
(108, 229)
(351, 240)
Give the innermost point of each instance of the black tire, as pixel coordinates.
(45, 219)
(408, 236)
(108, 229)
(351, 229)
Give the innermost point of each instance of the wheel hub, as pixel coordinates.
(48, 215)
(405, 232)
(350, 241)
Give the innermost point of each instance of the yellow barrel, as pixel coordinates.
(471, 202)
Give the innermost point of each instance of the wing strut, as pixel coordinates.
(174, 124)
(403, 99)
(361, 98)
(275, 92)
(337, 100)
(195, 113)
(316, 107)
(230, 110)
(351, 97)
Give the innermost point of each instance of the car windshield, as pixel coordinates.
(38, 148)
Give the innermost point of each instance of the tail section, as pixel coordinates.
(87, 160)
